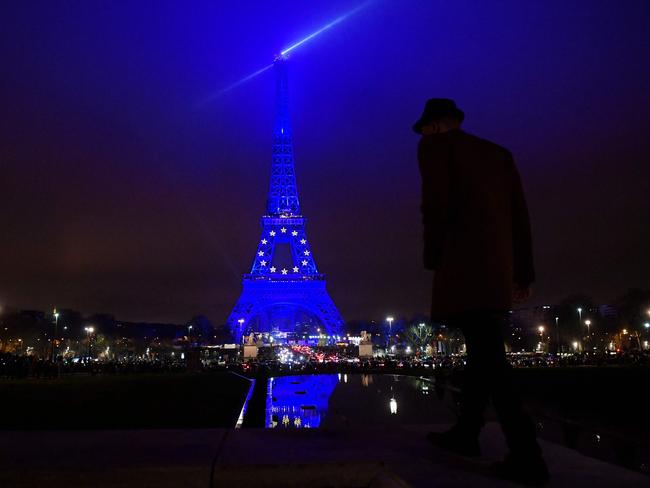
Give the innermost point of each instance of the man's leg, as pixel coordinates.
(496, 371)
(487, 374)
(476, 375)
(524, 463)
(463, 437)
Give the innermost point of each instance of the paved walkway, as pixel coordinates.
(374, 457)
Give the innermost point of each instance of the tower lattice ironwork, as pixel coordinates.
(284, 289)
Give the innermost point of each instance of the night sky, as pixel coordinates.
(123, 191)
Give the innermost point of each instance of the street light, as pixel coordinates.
(557, 333)
(422, 341)
(89, 331)
(580, 313)
(56, 326)
(241, 328)
(390, 325)
(588, 323)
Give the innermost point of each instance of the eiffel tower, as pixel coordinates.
(284, 292)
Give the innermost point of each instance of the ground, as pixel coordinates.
(373, 457)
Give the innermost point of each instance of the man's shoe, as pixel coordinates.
(531, 470)
(455, 441)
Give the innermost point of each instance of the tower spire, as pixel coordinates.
(283, 192)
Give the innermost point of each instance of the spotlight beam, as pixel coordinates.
(338, 20)
(286, 51)
(237, 83)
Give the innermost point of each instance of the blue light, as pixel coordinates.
(284, 290)
(298, 401)
(338, 20)
(237, 83)
(283, 54)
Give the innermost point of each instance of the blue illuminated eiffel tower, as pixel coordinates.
(284, 290)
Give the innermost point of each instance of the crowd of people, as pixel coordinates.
(623, 358)
(428, 366)
(30, 366)
(19, 367)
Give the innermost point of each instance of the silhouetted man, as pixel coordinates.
(477, 241)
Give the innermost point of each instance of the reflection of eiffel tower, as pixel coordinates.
(284, 287)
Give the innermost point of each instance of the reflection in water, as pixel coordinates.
(342, 400)
(298, 401)
(393, 406)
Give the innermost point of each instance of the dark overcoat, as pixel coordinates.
(476, 227)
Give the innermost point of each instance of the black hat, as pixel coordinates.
(438, 108)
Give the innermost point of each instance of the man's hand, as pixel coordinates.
(521, 293)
